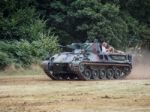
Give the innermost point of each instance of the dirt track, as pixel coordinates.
(39, 94)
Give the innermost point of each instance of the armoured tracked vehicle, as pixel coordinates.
(86, 61)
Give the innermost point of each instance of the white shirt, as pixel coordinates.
(104, 50)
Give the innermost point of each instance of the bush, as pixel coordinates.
(24, 53)
(24, 38)
(4, 60)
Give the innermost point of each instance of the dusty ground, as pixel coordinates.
(39, 94)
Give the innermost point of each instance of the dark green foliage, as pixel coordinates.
(140, 9)
(24, 38)
(23, 24)
(27, 27)
(80, 20)
(4, 60)
(24, 53)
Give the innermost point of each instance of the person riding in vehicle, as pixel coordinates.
(106, 48)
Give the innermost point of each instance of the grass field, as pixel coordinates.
(37, 93)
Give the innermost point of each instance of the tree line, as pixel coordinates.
(32, 29)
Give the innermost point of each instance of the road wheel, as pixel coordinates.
(117, 74)
(87, 74)
(95, 74)
(109, 73)
(102, 74)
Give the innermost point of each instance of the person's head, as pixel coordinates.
(104, 44)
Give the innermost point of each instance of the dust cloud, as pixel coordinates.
(141, 66)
